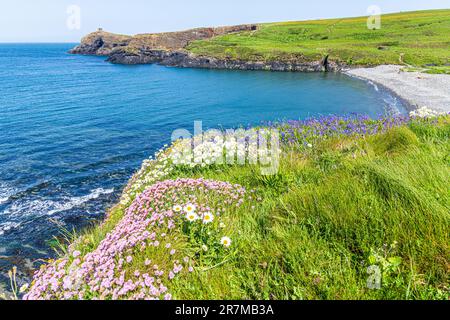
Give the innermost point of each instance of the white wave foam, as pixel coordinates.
(6, 226)
(6, 192)
(374, 85)
(50, 207)
(77, 201)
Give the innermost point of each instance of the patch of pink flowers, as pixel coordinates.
(111, 271)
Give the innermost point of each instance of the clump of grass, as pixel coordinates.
(395, 141)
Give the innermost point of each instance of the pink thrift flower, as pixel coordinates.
(168, 297)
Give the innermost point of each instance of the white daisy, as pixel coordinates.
(189, 208)
(177, 208)
(225, 241)
(191, 217)
(208, 218)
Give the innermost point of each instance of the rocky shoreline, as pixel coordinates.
(186, 59)
(169, 49)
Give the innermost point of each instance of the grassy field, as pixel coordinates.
(414, 38)
(349, 195)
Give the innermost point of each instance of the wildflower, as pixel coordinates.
(189, 208)
(101, 274)
(208, 218)
(191, 217)
(76, 254)
(222, 225)
(168, 296)
(309, 145)
(177, 208)
(205, 247)
(24, 288)
(190, 269)
(225, 241)
(172, 252)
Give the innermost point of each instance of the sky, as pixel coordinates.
(69, 20)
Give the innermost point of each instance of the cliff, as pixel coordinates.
(315, 45)
(169, 48)
(105, 43)
(101, 43)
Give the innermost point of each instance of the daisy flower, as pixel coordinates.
(189, 208)
(208, 218)
(191, 217)
(225, 241)
(177, 208)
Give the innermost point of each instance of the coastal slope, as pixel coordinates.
(351, 195)
(415, 38)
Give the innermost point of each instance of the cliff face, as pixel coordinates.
(169, 49)
(101, 43)
(188, 60)
(104, 43)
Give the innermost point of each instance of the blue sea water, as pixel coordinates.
(73, 129)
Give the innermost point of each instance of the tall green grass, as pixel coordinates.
(320, 226)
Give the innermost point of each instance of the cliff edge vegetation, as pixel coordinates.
(358, 209)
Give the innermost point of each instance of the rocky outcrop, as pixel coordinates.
(186, 59)
(102, 43)
(169, 49)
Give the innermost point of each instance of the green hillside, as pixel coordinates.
(421, 37)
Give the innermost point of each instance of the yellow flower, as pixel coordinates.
(225, 241)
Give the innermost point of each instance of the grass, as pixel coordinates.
(430, 69)
(312, 230)
(313, 235)
(415, 38)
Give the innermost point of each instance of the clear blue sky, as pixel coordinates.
(46, 20)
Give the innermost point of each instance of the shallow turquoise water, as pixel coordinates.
(74, 128)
